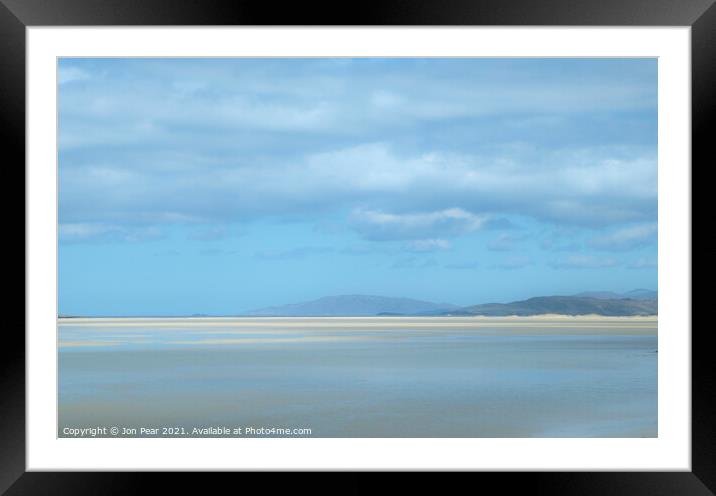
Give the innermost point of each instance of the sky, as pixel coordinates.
(216, 186)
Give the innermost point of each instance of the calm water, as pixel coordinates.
(362, 377)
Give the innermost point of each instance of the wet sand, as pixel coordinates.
(546, 376)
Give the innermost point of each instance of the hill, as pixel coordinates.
(564, 305)
(354, 306)
(635, 294)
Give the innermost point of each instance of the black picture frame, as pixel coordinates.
(16, 15)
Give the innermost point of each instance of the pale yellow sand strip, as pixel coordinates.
(76, 344)
(297, 321)
(359, 325)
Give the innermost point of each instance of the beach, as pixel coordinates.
(545, 376)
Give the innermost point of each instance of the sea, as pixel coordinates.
(376, 377)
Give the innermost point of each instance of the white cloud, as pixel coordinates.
(313, 96)
(209, 234)
(84, 232)
(626, 238)
(414, 263)
(426, 245)
(372, 175)
(70, 74)
(381, 226)
(561, 239)
(644, 263)
(228, 141)
(584, 262)
(505, 242)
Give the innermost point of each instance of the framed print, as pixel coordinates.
(420, 239)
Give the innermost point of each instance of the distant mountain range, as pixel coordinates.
(636, 302)
(355, 306)
(635, 294)
(565, 305)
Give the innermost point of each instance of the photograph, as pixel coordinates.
(446, 238)
(357, 247)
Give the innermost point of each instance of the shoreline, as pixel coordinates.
(516, 318)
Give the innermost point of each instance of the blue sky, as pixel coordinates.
(220, 185)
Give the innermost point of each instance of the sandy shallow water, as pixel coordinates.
(547, 376)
